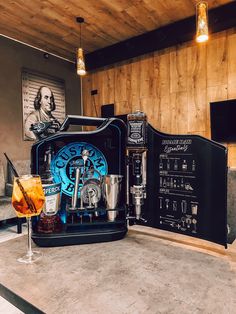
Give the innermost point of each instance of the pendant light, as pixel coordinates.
(202, 22)
(80, 54)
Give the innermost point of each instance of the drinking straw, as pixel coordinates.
(28, 200)
(12, 166)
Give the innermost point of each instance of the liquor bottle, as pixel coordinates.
(168, 164)
(167, 203)
(184, 165)
(176, 165)
(160, 164)
(161, 200)
(174, 183)
(137, 129)
(175, 206)
(193, 165)
(164, 183)
(52, 190)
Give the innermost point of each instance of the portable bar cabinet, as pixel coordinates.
(177, 183)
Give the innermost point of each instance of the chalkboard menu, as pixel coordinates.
(186, 190)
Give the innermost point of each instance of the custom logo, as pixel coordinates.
(65, 162)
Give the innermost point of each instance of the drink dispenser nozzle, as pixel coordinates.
(137, 192)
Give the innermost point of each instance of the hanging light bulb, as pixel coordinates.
(202, 22)
(80, 62)
(80, 54)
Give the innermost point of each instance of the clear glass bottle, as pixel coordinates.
(52, 190)
(137, 129)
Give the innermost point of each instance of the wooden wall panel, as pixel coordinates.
(122, 89)
(86, 95)
(196, 89)
(151, 107)
(216, 72)
(231, 87)
(174, 86)
(121, 73)
(134, 94)
(231, 155)
(217, 60)
(179, 113)
(146, 76)
(178, 70)
(162, 83)
(231, 66)
(96, 99)
(108, 87)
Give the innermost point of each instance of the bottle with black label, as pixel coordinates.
(137, 129)
(52, 190)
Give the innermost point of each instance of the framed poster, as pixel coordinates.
(43, 100)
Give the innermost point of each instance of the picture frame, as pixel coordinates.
(43, 103)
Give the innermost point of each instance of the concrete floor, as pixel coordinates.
(143, 273)
(9, 232)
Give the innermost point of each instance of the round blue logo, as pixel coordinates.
(65, 162)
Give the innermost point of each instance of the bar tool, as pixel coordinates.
(194, 222)
(184, 206)
(85, 156)
(111, 193)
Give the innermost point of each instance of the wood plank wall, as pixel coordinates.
(173, 86)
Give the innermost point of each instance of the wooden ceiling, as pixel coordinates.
(51, 25)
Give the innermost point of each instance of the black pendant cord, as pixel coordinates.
(80, 20)
(80, 37)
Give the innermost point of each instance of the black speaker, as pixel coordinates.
(108, 111)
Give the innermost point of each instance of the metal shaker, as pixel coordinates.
(111, 192)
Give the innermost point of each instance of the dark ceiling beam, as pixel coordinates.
(220, 18)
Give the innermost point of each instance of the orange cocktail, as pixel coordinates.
(28, 199)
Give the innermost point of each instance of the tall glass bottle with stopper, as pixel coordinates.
(49, 220)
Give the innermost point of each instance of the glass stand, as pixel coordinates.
(31, 256)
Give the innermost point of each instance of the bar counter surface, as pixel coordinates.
(142, 273)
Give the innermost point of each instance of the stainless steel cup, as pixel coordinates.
(111, 193)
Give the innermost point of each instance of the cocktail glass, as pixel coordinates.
(28, 199)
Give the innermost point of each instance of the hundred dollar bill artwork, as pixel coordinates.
(43, 99)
